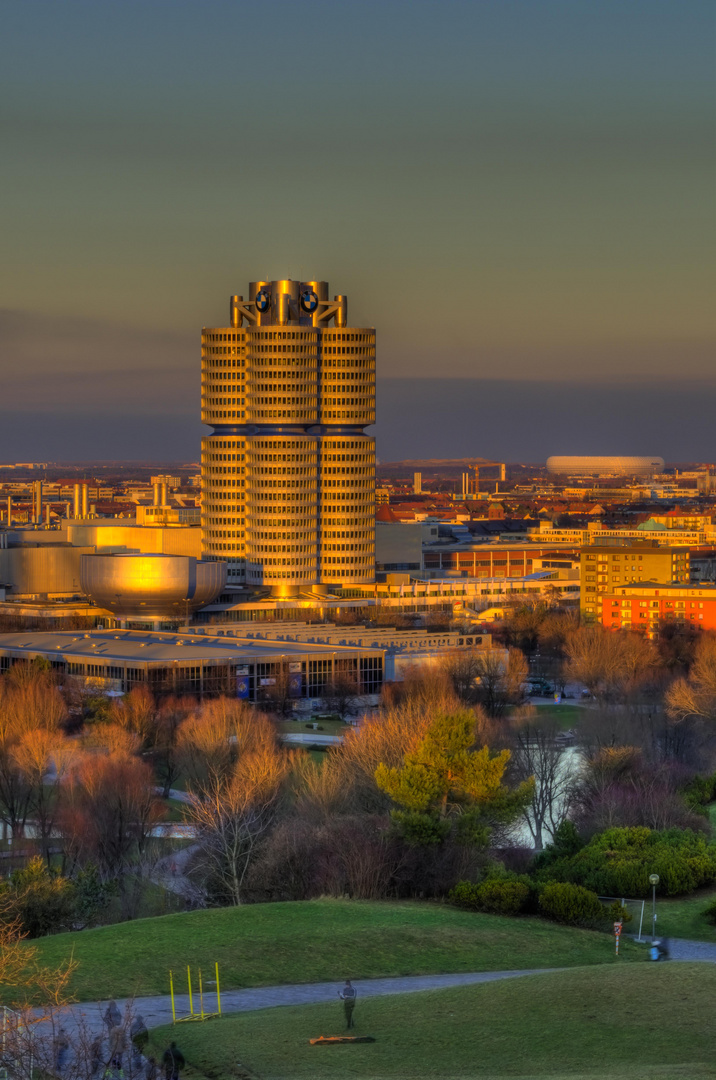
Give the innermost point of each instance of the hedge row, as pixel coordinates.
(561, 901)
(618, 862)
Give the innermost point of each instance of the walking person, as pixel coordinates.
(117, 1046)
(348, 996)
(140, 1037)
(96, 1055)
(173, 1061)
(112, 1016)
(61, 1051)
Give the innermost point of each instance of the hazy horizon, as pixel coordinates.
(416, 418)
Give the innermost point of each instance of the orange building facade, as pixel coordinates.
(494, 560)
(646, 607)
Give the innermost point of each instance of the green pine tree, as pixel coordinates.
(448, 785)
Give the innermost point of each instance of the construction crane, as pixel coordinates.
(488, 465)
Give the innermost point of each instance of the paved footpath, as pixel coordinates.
(85, 1018)
(683, 949)
(157, 1010)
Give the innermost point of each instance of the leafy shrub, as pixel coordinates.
(617, 913)
(571, 904)
(91, 897)
(618, 862)
(497, 895)
(699, 792)
(503, 897)
(709, 912)
(44, 902)
(566, 842)
(465, 893)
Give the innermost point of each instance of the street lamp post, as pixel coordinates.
(653, 881)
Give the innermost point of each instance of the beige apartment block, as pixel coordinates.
(604, 568)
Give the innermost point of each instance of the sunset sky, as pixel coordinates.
(518, 194)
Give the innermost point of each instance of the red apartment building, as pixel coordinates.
(645, 606)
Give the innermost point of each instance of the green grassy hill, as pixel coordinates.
(637, 1022)
(312, 941)
(683, 916)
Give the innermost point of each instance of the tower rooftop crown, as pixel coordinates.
(288, 303)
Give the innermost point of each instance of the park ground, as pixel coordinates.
(565, 716)
(625, 1022)
(315, 941)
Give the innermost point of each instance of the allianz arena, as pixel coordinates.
(605, 466)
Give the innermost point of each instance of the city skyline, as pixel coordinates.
(536, 179)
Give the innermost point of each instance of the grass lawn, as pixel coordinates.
(175, 811)
(681, 917)
(632, 1023)
(180, 784)
(567, 716)
(316, 940)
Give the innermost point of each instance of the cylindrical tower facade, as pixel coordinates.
(347, 508)
(288, 474)
(223, 500)
(282, 502)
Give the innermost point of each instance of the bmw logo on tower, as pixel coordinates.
(309, 301)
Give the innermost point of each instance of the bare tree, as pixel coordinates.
(538, 753)
(36, 753)
(30, 698)
(165, 740)
(613, 666)
(463, 668)
(501, 680)
(421, 688)
(109, 813)
(31, 712)
(695, 696)
(112, 738)
(554, 631)
(34, 1041)
(210, 740)
(278, 694)
(233, 816)
(618, 788)
(136, 713)
(342, 695)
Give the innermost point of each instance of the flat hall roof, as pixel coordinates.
(152, 647)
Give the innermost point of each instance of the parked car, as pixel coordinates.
(539, 688)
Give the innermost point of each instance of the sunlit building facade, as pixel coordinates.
(288, 473)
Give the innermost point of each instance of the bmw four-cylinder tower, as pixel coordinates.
(288, 473)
